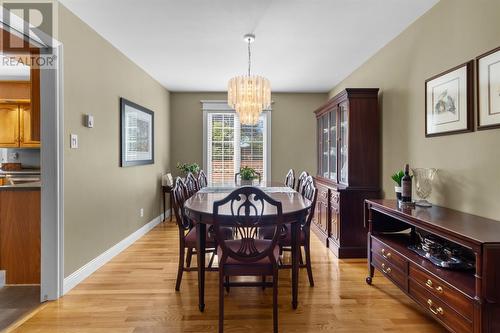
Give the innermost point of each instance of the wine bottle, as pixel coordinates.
(406, 185)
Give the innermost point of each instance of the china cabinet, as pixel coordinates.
(348, 148)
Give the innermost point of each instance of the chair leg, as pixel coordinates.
(275, 300)
(227, 283)
(301, 261)
(180, 269)
(307, 250)
(188, 258)
(263, 282)
(221, 300)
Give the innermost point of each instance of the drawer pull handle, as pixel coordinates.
(385, 255)
(439, 289)
(436, 311)
(386, 270)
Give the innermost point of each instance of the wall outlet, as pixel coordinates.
(142, 212)
(74, 141)
(2, 279)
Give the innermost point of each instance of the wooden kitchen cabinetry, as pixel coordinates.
(348, 147)
(20, 112)
(20, 215)
(16, 126)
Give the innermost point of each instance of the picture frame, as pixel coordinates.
(136, 134)
(449, 101)
(488, 89)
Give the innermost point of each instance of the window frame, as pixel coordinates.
(221, 106)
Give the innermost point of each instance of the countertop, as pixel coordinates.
(31, 186)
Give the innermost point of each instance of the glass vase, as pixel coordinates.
(423, 184)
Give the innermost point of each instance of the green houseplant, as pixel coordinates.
(397, 176)
(247, 175)
(186, 168)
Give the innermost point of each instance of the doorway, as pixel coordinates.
(46, 155)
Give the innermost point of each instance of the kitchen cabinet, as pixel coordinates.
(20, 216)
(20, 112)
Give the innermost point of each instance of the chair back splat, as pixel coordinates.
(246, 210)
(300, 181)
(191, 184)
(290, 179)
(202, 179)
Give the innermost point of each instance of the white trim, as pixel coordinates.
(86, 270)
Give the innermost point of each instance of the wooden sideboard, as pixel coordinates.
(348, 144)
(462, 301)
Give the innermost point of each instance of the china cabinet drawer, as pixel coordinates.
(391, 271)
(443, 291)
(439, 309)
(391, 256)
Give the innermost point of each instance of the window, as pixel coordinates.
(229, 145)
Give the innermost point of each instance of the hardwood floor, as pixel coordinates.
(135, 293)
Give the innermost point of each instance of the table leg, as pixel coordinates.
(171, 205)
(295, 263)
(201, 230)
(164, 207)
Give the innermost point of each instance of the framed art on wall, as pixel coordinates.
(449, 101)
(136, 134)
(488, 89)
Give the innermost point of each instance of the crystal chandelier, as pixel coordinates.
(249, 94)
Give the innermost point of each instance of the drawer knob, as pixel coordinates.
(385, 255)
(433, 309)
(386, 270)
(429, 284)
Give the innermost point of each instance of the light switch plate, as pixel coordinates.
(74, 141)
(89, 121)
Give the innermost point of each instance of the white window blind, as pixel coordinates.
(229, 146)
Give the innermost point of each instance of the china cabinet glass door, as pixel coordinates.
(343, 142)
(325, 137)
(333, 144)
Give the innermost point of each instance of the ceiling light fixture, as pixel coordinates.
(249, 94)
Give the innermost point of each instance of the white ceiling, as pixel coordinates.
(197, 45)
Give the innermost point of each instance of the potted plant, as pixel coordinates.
(186, 168)
(247, 175)
(397, 176)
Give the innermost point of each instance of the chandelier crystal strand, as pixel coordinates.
(249, 94)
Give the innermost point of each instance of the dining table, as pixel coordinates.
(199, 208)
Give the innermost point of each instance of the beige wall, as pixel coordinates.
(451, 33)
(293, 130)
(102, 200)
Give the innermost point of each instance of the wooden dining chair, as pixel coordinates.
(247, 254)
(290, 179)
(187, 234)
(309, 192)
(301, 181)
(237, 174)
(192, 184)
(202, 180)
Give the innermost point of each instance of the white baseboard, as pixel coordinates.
(86, 270)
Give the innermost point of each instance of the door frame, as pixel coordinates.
(51, 163)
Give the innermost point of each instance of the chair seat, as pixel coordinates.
(260, 244)
(192, 236)
(287, 239)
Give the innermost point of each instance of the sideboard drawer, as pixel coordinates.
(390, 271)
(323, 194)
(388, 253)
(439, 309)
(438, 288)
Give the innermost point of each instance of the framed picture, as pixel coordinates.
(488, 89)
(449, 101)
(136, 134)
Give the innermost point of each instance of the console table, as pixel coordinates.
(462, 301)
